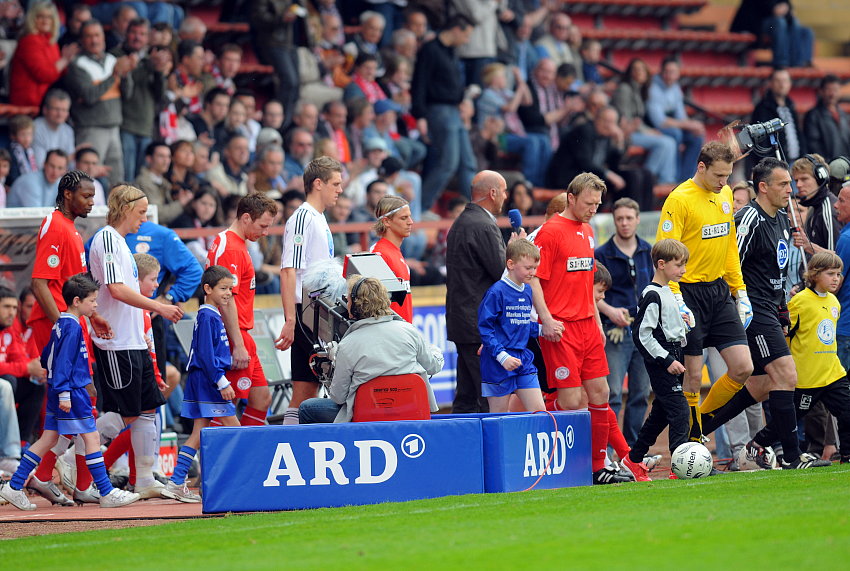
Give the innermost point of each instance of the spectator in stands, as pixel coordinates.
(306, 117)
(375, 191)
(591, 54)
(192, 28)
(94, 81)
(480, 50)
(23, 155)
(274, 24)
(180, 173)
(363, 80)
(185, 81)
(403, 44)
(328, 49)
(268, 137)
(140, 104)
(234, 123)
(162, 35)
(827, 126)
(230, 175)
(411, 151)
(497, 100)
(299, 153)
(51, 130)
(5, 165)
(548, 109)
(222, 72)
(252, 125)
(203, 160)
(630, 100)
(665, 108)
(328, 8)
(201, 212)
(742, 194)
(216, 105)
(791, 42)
(416, 21)
(778, 103)
(361, 115)
(367, 40)
(332, 125)
(79, 14)
(396, 80)
(555, 45)
(437, 91)
(408, 185)
(338, 214)
(121, 19)
(273, 114)
(88, 161)
(39, 188)
(521, 197)
(153, 182)
(38, 62)
(376, 151)
(267, 177)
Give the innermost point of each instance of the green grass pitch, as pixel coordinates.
(759, 520)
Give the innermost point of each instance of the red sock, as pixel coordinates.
(131, 459)
(253, 417)
(119, 445)
(44, 472)
(598, 434)
(615, 436)
(216, 422)
(84, 478)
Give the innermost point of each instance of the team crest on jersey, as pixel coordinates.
(298, 239)
(782, 254)
(834, 311)
(244, 383)
(710, 231)
(142, 248)
(726, 208)
(743, 229)
(667, 225)
(826, 332)
(579, 264)
(53, 261)
(562, 373)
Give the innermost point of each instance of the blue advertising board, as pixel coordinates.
(328, 465)
(430, 320)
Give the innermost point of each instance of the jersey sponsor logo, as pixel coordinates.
(782, 254)
(142, 247)
(53, 261)
(579, 264)
(726, 208)
(562, 373)
(710, 231)
(667, 225)
(244, 383)
(826, 332)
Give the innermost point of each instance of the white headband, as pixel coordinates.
(393, 211)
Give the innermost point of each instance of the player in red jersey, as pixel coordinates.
(254, 214)
(393, 226)
(59, 255)
(563, 292)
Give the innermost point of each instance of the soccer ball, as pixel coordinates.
(745, 462)
(691, 460)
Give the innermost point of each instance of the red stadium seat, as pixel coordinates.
(392, 397)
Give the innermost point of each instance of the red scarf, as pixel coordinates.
(371, 89)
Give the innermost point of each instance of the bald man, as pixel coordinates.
(475, 259)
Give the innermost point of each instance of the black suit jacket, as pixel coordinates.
(475, 260)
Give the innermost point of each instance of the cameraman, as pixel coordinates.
(403, 351)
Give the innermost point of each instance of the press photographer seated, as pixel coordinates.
(377, 343)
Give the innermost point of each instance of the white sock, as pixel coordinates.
(145, 441)
(290, 416)
(109, 424)
(61, 445)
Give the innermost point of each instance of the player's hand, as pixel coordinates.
(552, 330)
(511, 363)
(286, 337)
(65, 405)
(616, 334)
(240, 358)
(687, 314)
(101, 326)
(227, 393)
(35, 370)
(745, 308)
(620, 317)
(676, 368)
(170, 312)
(479, 350)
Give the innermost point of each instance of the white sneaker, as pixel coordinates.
(67, 473)
(49, 491)
(651, 461)
(155, 490)
(88, 496)
(181, 492)
(118, 498)
(9, 465)
(17, 498)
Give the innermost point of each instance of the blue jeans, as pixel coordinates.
(688, 157)
(10, 436)
(133, 146)
(167, 12)
(624, 358)
(536, 150)
(791, 43)
(450, 152)
(317, 410)
(661, 155)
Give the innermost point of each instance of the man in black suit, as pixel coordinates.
(475, 260)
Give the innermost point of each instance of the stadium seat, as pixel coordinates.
(392, 397)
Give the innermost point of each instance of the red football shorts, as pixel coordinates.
(578, 356)
(251, 376)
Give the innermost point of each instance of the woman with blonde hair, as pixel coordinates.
(38, 62)
(394, 224)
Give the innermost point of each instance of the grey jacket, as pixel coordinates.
(380, 346)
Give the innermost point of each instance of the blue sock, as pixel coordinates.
(94, 461)
(184, 462)
(29, 462)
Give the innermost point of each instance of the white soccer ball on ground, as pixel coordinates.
(691, 460)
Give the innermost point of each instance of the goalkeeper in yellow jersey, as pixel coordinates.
(699, 214)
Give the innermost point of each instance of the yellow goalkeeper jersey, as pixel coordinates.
(704, 222)
(812, 338)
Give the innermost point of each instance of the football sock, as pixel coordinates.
(45, 468)
(96, 471)
(783, 416)
(290, 416)
(62, 445)
(117, 448)
(696, 419)
(721, 392)
(615, 435)
(598, 434)
(216, 422)
(184, 462)
(727, 412)
(131, 461)
(29, 460)
(253, 417)
(144, 439)
(109, 425)
(84, 478)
